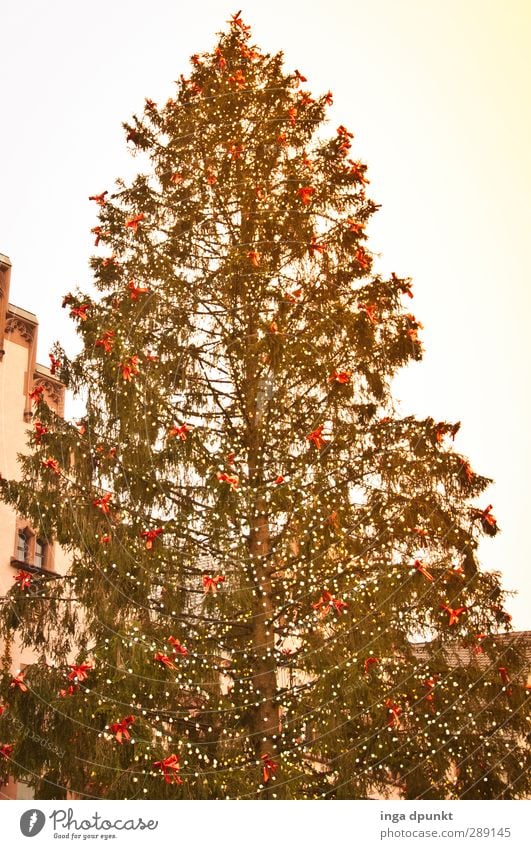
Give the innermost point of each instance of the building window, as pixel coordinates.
(40, 553)
(23, 546)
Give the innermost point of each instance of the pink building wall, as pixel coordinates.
(19, 375)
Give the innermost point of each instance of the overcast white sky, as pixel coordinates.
(438, 96)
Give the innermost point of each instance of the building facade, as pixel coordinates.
(21, 546)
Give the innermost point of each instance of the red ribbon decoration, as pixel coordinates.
(453, 613)
(210, 585)
(178, 648)
(237, 22)
(135, 291)
(370, 312)
(18, 683)
(504, 675)
(6, 750)
(130, 368)
(100, 234)
(150, 536)
(54, 364)
(36, 394)
(133, 222)
(40, 430)
(305, 194)
(326, 602)
(170, 767)
(120, 729)
(79, 312)
(422, 568)
(394, 711)
(106, 341)
(79, 672)
(354, 226)
(369, 661)
(52, 464)
(316, 436)
(362, 258)
(24, 579)
(237, 80)
(430, 683)
(295, 296)
(68, 692)
(340, 376)
(180, 431)
(269, 766)
(164, 659)
(232, 480)
(100, 199)
(317, 247)
(103, 503)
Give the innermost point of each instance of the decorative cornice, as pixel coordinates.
(52, 389)
(26, 330)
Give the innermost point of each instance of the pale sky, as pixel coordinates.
(438, 96)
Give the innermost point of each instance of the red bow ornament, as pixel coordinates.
(36, 394)
(237, 80)
(40, 430)
(354, 227)
(316, 436)
(106, 342)
(362, 258)
(79, 673)
(369, 662)
(24, 579)
(100, 199)
(178, 648)
(453, 613)
(103, 503)
(54, 364)
(327, 602)
(170, 767)
(231, 480)
(150, 536)
(17, 682)
(357, 169)
(100, 234)
(130, 368)
(210, 585)
(133, 222)
(394, 714)
(504, 675)
(52, 464)
(423, 569)
(370, 311)
(121, 729)
(269, 767)
(305, 194)
(135, 291)
(79, 312)
(340, 377)
(317, 247)
(6, 750)
(487, 520)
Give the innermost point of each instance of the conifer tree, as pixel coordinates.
(259, 541)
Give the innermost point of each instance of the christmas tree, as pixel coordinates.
(274, 590)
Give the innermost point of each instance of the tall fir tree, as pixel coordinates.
(258, 540)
